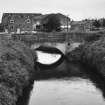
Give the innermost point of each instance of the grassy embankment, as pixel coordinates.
(91, 54)
(16, 70)
(94, 56)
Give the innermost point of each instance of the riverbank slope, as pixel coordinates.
(91, 54)
(16, 70)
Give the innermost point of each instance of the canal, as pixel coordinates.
(80, 87)
(67, 84)
(75, 91)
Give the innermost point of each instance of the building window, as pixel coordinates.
(12, 28)
(28, 21)
(38, 27)
(11, 21)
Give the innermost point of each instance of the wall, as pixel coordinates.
(62, 41)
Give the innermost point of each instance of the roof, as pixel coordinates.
(31, 14)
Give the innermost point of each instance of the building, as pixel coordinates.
(21, 22)
(82, 26)
(29, 22)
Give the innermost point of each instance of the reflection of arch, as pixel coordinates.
(52, 51)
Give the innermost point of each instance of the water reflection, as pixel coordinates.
(24, 99)
(46, 58)
(66, 92)
(97, 79)
(73, 84)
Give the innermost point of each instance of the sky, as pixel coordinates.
(75, 9)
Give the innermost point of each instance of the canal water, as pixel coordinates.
(66, 92)
(79, 88)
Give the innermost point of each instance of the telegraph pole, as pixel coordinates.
(67, 38)
(67, 23)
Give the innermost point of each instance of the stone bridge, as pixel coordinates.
(62, 41)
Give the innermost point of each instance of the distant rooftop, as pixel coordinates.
(22, 14)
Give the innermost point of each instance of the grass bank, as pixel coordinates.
(94, 55)
(91, 54)
(16, 70)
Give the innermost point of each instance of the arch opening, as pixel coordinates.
(49, 56)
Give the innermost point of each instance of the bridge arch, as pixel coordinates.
(60, 46)
(49, 57)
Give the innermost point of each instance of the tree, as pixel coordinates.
(103, 23)
(96, 23)
(51, 23)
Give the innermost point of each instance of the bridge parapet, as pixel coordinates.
(53, 39)
(39, 37)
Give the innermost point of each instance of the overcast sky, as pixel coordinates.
(76, 9)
